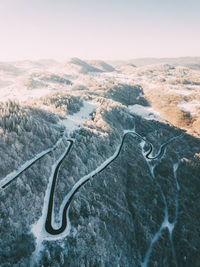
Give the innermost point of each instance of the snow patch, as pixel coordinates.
(181, 92)
(188, 107)
(21, 93)
(75, 121)
(145, 112)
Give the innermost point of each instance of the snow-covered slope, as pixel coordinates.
(126, 198)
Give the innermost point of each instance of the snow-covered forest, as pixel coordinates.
(131, 211)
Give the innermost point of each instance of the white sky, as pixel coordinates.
(103, 29)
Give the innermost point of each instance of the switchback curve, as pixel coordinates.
(48, 224)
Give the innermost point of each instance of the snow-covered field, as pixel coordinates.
(145, 112)
(75, 121)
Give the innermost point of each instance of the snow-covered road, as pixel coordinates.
(54, 233)
(13, 175)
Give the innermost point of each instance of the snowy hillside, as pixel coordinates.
(99, 164)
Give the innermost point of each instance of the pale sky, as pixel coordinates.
(101, 29)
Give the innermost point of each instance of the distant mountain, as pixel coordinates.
(126, 68)
(79, 66)
(76, 65)
(101, 65)
(8, 68)
(193, 66)
(149, 61)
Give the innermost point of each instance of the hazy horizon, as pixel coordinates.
(99, 59)
(114, 30)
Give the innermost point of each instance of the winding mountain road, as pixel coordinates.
(68, 198)
(67, 201)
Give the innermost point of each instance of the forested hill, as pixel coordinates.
(119, 145)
